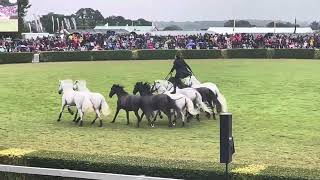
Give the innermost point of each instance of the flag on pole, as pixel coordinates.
(58, 23)
(295, 25)
(30, 27)
(52, 18)
(40, 24)
(74, 23)
(62, 25)
(69, 24)
(36, 22)
(65, 21)
(234, 25)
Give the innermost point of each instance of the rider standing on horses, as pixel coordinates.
(182, 69)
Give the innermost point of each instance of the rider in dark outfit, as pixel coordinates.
(183, 70)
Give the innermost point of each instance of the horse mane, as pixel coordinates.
(121, 88)
(147, 85)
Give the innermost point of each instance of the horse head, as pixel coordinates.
(64, 84)
(116, 89)
(138, 87)
(79, 83)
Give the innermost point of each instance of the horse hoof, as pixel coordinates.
(174, 124)
(58, 120)
(161, 117)
(152, 125)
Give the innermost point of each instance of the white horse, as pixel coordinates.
(163, 86)
(194, 83)
(72, 98)
(98, 101)
(184, 104)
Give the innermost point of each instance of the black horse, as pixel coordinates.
(152, 103)
(148, 104)
(144, 89)
(208, 97)
(126, 102)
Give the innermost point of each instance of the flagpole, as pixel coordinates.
(234, 25)
(295, 25)
(58, 23)
(52, 24)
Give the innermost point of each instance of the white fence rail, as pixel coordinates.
(72, 174)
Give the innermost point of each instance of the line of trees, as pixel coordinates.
(88, 18)
(243, 23)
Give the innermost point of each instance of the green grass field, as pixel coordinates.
(9, 25)
(275, 104)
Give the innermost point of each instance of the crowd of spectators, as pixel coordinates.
(111, 41)
(8, 11)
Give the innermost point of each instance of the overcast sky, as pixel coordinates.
(187, 10)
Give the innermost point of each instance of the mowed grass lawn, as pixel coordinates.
(275, 105)
(10, 25)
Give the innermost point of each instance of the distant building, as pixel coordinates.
(260, 30)
(128, 28)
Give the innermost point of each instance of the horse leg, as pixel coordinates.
(155, 118)
(61, 111)
(198, 117)
(149, 115)
(115, 116)
(70, 110)
(97, 116)
(182, 118)
(81, 114)
(168, 114)
(77, 121)
(127, 112)
(142, 115)
(139, 119)
(75, 116)
(160, 115)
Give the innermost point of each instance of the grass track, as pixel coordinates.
(275, 104)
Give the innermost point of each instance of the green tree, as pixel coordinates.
(240, 23)
(172, 28)
(281, 24)
(315, 25)
(88, 18)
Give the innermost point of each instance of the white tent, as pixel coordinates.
(260, 30)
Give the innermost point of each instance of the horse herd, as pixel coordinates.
(154, 99)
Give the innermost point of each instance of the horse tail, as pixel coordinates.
(222, 103)
(105, 109)
(190, 107)
(202, 104)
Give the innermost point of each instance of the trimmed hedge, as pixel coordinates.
(294, 53)
(84, 56)
(245, 53)
(8, 58)
(201, 54)
(317, 54)
(181, 169)
(154, 54)
(13, 58)
(170, 54)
